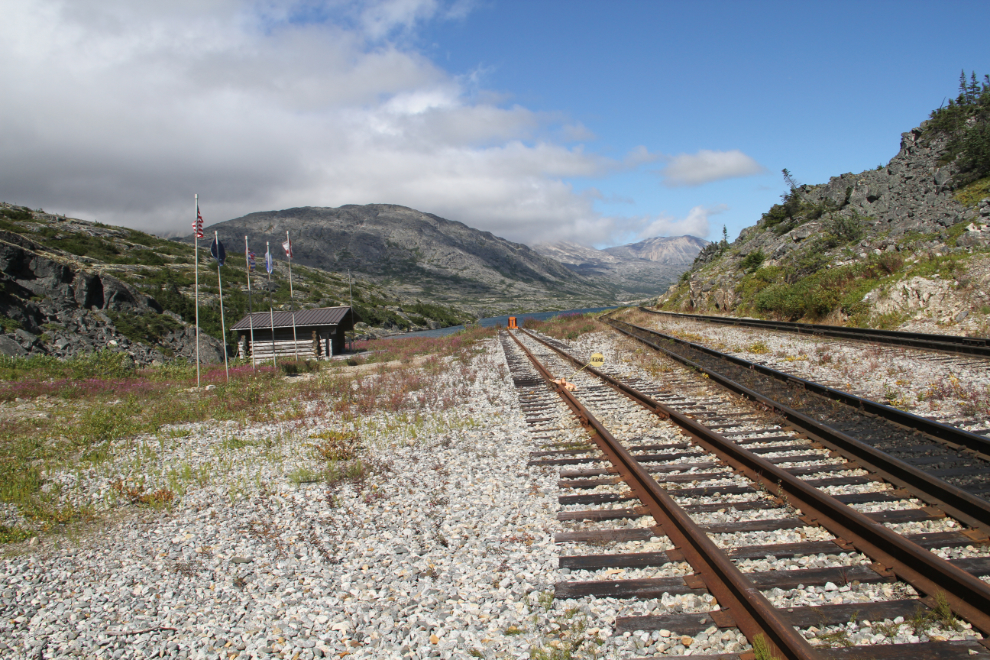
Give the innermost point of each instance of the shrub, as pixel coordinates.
(753, 261)
(847, 229)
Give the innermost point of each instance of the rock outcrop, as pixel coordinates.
(875, 229)
(53, 307)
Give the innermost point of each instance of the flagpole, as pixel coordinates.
(271, 311)
(223, 327)
(292, 307)
(196, 253)
(247, 265)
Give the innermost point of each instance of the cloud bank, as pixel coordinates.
(121, 110)
(707, 166)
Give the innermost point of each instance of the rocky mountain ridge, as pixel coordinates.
(421, 255)
(638, 270)
(881, 247)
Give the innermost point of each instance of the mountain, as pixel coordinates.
(420, 255)
(70, 287)
(638, 270)
(905, 245)
(674, 250)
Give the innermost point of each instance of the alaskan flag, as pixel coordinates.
(269, 262)
(252, 264)
(217, 251)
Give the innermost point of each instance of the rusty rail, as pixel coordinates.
(956, 502)
(968, 596)
(958, 344)
(741, 602)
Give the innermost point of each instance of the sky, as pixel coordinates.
(601, 123)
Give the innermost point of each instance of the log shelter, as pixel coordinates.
(319, 333)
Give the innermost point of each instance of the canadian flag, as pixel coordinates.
(287, 246)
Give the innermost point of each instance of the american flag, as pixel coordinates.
(251, 262)
(198, 225)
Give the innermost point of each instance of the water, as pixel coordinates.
(501, 320)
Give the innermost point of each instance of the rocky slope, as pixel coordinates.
(421, 255)
(637, 270)
(899, 246)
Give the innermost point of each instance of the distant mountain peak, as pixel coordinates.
(640, 269)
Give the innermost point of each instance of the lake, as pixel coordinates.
(500, 320)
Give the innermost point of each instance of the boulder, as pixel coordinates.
(10, 347)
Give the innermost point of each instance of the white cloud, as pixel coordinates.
(121, 110)
(695, 223)
(707, 166)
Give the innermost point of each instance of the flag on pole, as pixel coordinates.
(252, 264)
(269, 262)
(198, 225)
(287, 246)
(217, 251)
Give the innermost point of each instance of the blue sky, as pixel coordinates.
(596, 122)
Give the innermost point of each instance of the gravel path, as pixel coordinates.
(444, 547)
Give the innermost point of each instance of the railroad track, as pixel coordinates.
(896, 359)
(705, 492)
(958, 457)
(956, 344)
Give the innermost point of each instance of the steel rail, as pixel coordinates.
(950, 434)
(979, 346)
(963, 506)
(741, 602)
(968, 596)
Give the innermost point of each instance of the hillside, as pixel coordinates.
(420, 255)
(637, 270)
(70, 287)
(906, 245)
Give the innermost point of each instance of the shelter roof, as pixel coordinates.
(304, 318)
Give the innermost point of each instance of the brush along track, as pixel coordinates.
(958, 457)
(734, 512)
(956, 344)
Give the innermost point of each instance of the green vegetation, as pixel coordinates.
(966, 120)
(753, 261)
(446, 316)
(566, 326)
(8, 324)
(10, 219)
(786, 294)
(147, 328)
(971, 194)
